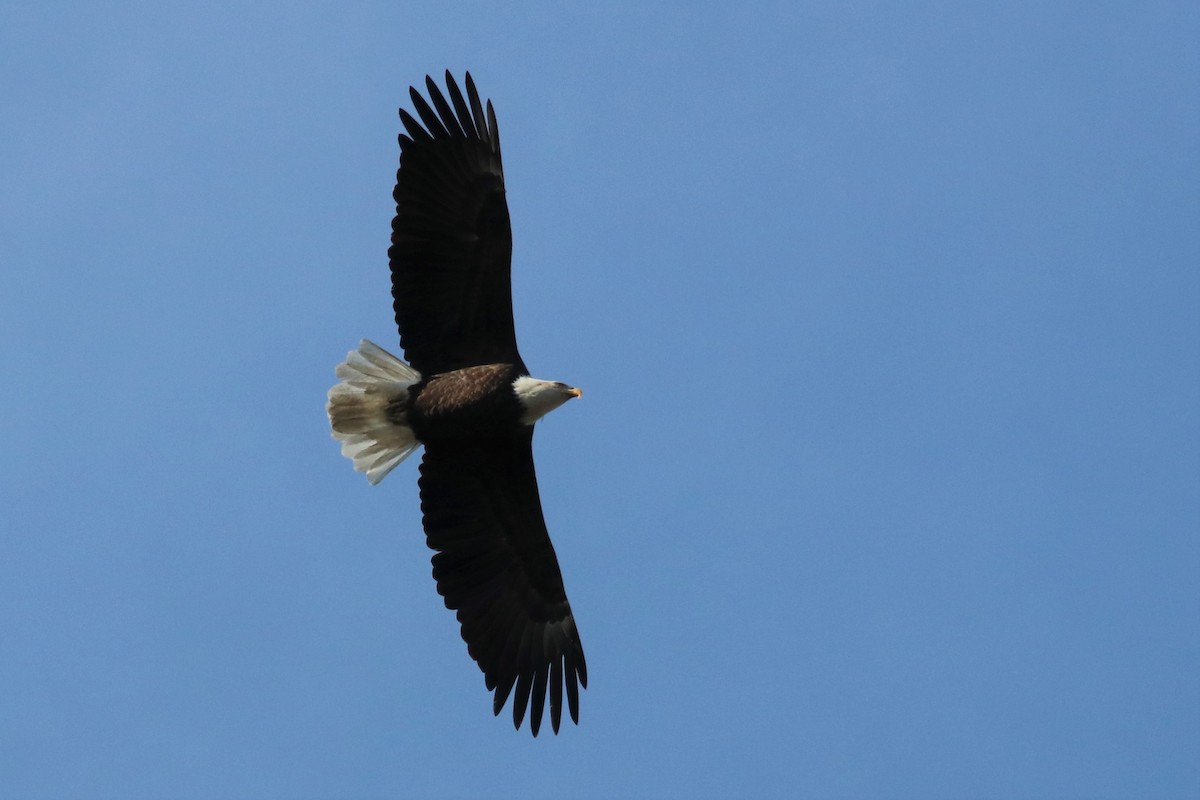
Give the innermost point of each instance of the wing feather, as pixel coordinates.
(461, 109)
(451, 237)
(433, 123)
(415, 132)
(447, 117)
(495, 567)
(537, 700)
(477, 111)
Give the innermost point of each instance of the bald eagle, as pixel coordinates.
(466, 395)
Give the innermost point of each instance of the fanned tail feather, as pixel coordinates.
(366, 410)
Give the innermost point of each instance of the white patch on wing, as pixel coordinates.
(372, 380)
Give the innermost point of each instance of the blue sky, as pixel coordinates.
(885, 483)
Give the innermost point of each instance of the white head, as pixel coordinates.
(539, 398)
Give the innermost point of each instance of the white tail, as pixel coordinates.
(372, 381)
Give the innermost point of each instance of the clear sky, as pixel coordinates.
(885, 482)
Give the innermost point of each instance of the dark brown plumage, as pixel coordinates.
(468, 399)
(451, 242)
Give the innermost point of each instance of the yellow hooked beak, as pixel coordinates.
(575, 392)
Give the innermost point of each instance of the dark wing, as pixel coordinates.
(496, 567)
(451, 241)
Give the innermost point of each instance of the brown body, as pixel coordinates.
(469, 402)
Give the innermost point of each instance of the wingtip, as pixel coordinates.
(493, 127)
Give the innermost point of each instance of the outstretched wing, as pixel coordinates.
(496, 567)
(451, 241)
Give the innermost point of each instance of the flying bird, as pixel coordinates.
(466, 395)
